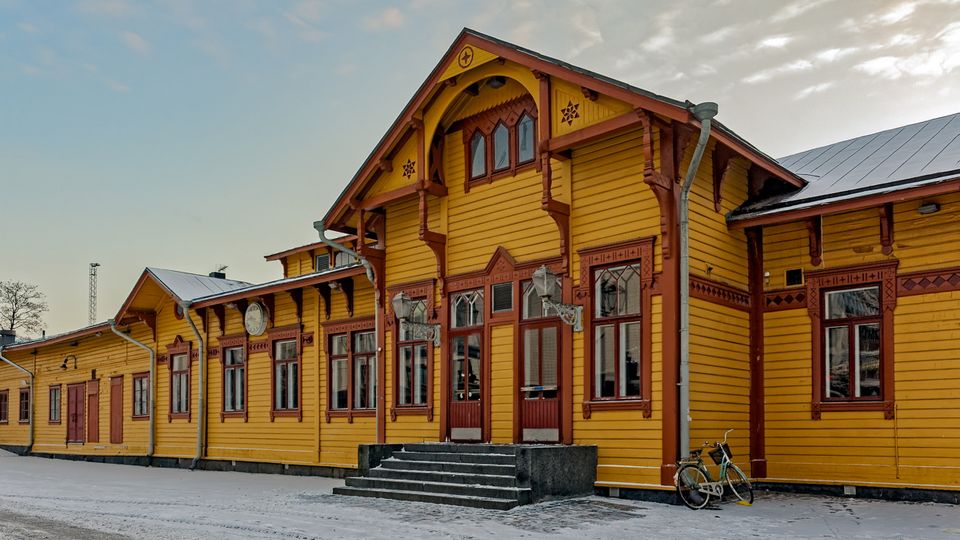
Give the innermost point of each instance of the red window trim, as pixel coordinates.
(133, 395)
(5, 407)
(640, 252)
(20, 406)
(416, 291)
(179, 347)
(234, 341)
(50, 420)
(818, 282)
(285, 333)
(508, 114)
(349, 327)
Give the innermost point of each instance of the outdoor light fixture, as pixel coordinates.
(403, 307)
(545, 282)
(66, 361)
(496, 82)
(929, 208)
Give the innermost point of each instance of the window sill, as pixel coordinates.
(3, 422)
(54, 422)
(853, 406)
(23, 422)
(178, 416)
(350, 414)
(139, 418)
(618, 405)
(233, 414)
(411, 410)
(287, 413)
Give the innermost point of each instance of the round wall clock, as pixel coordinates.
(255, 319)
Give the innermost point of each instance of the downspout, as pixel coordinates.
(202, 400)
(153, 375)
(32, 397)
(318, 225)
(703, 112)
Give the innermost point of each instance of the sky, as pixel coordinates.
(191, 134)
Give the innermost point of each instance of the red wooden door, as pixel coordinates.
(75, 395)
(116, 409)
(466, 401)
(539, 388)
(93, 411)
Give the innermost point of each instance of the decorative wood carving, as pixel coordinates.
(435, 241)
(929, 281)
(297, 296)
(588, 93)
(435, 172)
(345, 286)
(220, 312)
(508, 114)
(570, 113)
(719, 293)
(723, 158)
(323, 289)
(661, 184)
(784, 299)
(815, 233)
(385, 165)
(886, 228)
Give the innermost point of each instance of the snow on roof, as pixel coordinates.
(187, 286)
(885, 161)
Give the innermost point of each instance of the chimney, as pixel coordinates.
(218, 275)
(7, 337)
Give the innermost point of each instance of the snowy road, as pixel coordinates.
(41, 498)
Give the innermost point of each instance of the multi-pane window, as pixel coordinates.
(467, 317)
(533, 307)
(339, 371)
(364, 370)
(353, 371)
(540, 345)
(234, 380)
(526, 139)
(851, 327)
(343, 259)
(141, 395)
(286, 372)
(617, 332)
(24, 405)
(499, 140)
(466, 309)
(55, 403)
(412, 374)
(4, 406)
(478, 155)
(501, 148)
(180, 384)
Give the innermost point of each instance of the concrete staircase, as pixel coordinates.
(475, 475)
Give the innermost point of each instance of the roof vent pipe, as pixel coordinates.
(704, 113)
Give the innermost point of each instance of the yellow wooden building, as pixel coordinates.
(823, 303)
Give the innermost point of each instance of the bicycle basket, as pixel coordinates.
(717, 453)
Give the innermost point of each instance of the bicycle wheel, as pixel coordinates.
(739, 484)
(689, 480)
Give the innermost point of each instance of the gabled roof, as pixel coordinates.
(64, 337)
(638, 97)
(188, 287)
(307, 247)
(888, 162)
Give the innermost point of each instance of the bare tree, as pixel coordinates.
(22, 306)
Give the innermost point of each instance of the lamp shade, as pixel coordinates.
(401, 306)
(545, 282)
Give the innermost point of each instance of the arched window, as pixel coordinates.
(501, 148)
(478, 155)
(525, 139)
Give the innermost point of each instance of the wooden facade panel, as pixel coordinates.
(573, 109)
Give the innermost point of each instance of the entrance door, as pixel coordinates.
(539, 386)
(116, 409)
(93, 411)
(76, 394)
(466, 401)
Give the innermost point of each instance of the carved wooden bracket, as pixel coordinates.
(147, 317)
(435, 241)
(815, 230)
(346, 287)
(297, 296)
(723, 158)
(886, 228)
(220, 312)
(662, 184)
(589, 94)
(558, 211)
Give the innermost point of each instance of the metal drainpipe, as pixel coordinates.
(201, 402)
(703, 112)
(153, 376)
(318, 225)
(32, 397)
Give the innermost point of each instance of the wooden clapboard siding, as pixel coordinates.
(390, 180)
(14, 433)
(176, 437)
(927, 241)
(501, 388)
(408, 258)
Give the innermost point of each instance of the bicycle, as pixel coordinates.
(696, 487)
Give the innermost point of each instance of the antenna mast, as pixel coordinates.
(92, 313)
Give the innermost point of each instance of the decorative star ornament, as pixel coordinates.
(409, 168)
(570, 112)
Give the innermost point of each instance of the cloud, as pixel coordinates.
(585, 25)
(718, 36)
(897, 14)
(791, 11)
(815, 89)
(388, 18)
(774, 42)
(832, 55)
(664, 36)
(32, 71)
(930, 63)
(27, 27)
(784, 69)
(117, 87)
(135, 42)
(111, 8)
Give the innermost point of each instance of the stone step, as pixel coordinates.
(436, 498)
(456, 457)
(520, 495)
(462, 448)
(445, 466)
(448, 477)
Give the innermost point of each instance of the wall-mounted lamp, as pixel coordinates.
(928, 208)
(545, 282)
(496, 82)
(66, 361)
(766, 278)
(403, 306)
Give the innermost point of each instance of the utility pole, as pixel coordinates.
(92, 313)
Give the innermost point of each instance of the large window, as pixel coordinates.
(616, 332)
(141, 395)
(412, 360)
(499, 140)
(4, 406)
(851, 337)
(55, 404)
(353, 371)
(180, 384)
(286, 373)
(466, 318)
(234, 380)
(24, 405)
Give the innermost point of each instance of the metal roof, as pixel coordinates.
(290, 282)
(922, 153)
(189, 287)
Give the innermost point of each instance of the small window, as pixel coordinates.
(526, 139)
(286, 376)
(339, 372)
(180, 384)
(55, 404)
(344, 259)
(478, 155)
(794, 277)
(502, 297)
(24, 405)
(4, 406)
(365, 371)
(141, 395)
(322, 262)
(234, 379)
(467, 309)
(501, 148)
(532, 303)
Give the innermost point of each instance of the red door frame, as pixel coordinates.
(93, 411)
(116, 409)
(76, 398)
(534, 412)
(452, 405)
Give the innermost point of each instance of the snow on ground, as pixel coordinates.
(43, 498)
